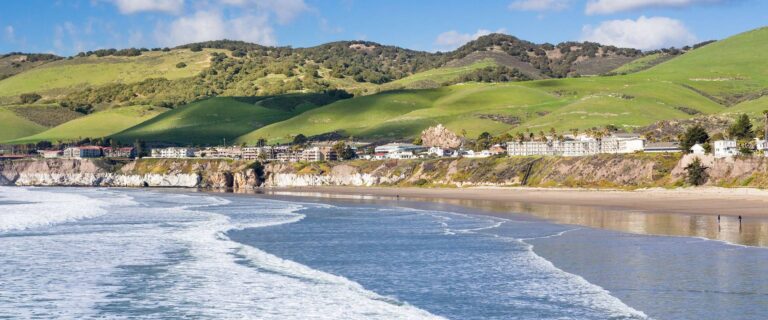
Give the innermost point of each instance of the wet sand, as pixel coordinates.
(679, 212)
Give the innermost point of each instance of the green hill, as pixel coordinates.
(96, 125)
(59, 77)
(13, 126)
(702, 81)
(212, 120)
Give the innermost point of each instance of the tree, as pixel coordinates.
(742, 129)
(141, 148)
(27, 98)
(693, 135)
(261, 142)
(343, 151)
(43, 144)
(697, 173)
(484, 141)
(300, 139)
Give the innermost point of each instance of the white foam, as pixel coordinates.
(39, 208)
(84, 271)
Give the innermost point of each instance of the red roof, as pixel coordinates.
(90, 148)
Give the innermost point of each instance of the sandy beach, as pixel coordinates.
(691, 201)
(679, 212)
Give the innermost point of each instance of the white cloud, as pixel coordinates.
(613, 6)
(539, 5)
(453, 39)
(9, 34)
(643, 33)
(284, 10)
(212, 25)
(135, 6)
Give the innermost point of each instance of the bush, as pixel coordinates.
(697, 173)
(181, 65)
(28, 98)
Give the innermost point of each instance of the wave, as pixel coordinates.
(32, 209)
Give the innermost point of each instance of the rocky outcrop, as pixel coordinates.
(213, 174)
(440, 136)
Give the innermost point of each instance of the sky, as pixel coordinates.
(68, 27)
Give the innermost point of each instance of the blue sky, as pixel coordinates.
(67, 27)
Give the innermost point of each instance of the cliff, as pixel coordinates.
(141, 173)
(630, 171)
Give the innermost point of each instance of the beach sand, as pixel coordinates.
(693, 201)
(690, 212)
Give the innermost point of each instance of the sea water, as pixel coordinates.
(108, 253)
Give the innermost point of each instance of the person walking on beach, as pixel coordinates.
(718, 219)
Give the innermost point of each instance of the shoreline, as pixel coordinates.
(710, 201)
(657, 212)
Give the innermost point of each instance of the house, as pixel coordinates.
(662, 147)
(698, 149)
(82, 152)
(125, 152)
(51, 154)
(478, 154)
(725, 148)
(229, 152)
(173, 152)
(497, 149)
(761, 146)
(438, 152)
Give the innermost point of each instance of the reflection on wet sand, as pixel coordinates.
(750, 232)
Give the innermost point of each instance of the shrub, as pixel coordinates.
(181, 65)
(28, 98)
(697, 173)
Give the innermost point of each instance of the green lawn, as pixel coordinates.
(96, 125)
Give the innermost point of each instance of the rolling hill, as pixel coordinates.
(215, 120)
(722, 78)
(700, 82)
(14, 126)
(56, 78)
(96, 125)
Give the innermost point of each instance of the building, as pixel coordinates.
(761, 146)
(51, 154)
(399, 147)
(438, 152)
(82, 152)
(125, 152)
(662, 147)
(698, 149)
(401, 155)
(312, 154)
(229, 152)
(576, 146)
(477, 154)
(173, 152)
(289, 156)
(725, 148)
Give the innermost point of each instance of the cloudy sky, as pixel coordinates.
(67, 27)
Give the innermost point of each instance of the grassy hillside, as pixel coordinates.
(729, 71)
(46, 115)
(13, 126)
(397, 114)
(96, 125)
(699, 82)
(59, 77)
(212, 120)
(435, 77)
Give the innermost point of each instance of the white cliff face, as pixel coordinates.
(314, 180)
(107, 180)
(87, 173)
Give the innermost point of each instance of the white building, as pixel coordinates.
(761, 146)
(82, 152)
(399, 147)
(698, 149)
(173, 152)
(577, 146)
(478, 154)
(312, 155)
(438, 152)
(400, 155)
(725, 148)
(662, 147)
(51, 154)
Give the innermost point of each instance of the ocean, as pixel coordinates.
(162, 254)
